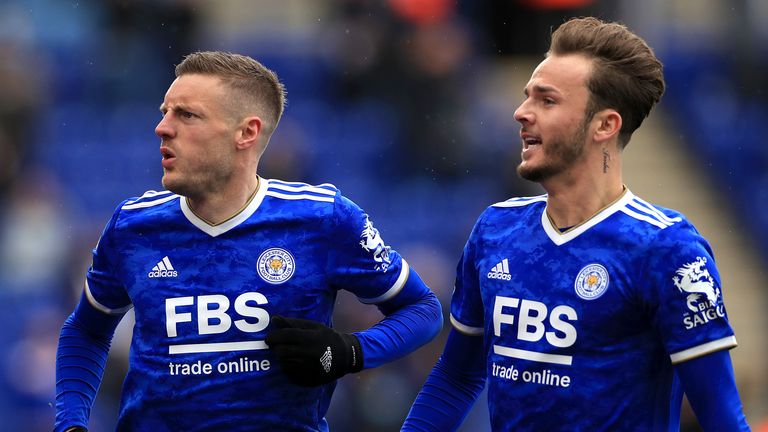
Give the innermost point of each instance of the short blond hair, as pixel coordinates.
(253, 83)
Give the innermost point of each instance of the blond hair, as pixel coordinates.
(253, 84)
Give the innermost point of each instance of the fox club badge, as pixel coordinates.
(591, 282)
(275, 265)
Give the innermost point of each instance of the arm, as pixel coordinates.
(413, 318)
(360, 262)
(80, 359)
(710, 386)
(451, 388)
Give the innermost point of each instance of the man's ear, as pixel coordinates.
(608, 125)
(249, 132)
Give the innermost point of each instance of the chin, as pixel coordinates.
(534, 174)
(173, 186)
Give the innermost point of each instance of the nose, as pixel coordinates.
(164, 129)
(523, 113)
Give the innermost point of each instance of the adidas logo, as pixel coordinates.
(163, 269)
(327, 360)
(500, 271)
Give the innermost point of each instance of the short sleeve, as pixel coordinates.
(359, 260)
(466, 302)
(102, 287)
(685, 295)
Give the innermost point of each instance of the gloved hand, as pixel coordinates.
(312, 354)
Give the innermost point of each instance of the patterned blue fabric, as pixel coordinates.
(203, 296)
(582, 328)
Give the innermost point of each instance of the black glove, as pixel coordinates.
(312, 354)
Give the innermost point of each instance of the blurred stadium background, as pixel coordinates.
(406, 105)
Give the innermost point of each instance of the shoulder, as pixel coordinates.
(297, 191)
(521, 202)
(660, 228)
(513, 208)
(305, 202)
(149, 204)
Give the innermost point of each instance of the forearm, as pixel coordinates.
(80, 360)
(451, 388)
(405, 328)
(711, 389)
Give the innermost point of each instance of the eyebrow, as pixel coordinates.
(175, 107)
(538, 88)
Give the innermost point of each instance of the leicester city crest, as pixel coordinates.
(275, 265)
(591, 282)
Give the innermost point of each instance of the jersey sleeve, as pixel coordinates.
(466, 302)
(359, 260)
(451, 388)
(102, 287)
(685, 297)
(716, 402)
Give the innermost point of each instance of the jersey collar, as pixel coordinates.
(221, 228)
(560, 238)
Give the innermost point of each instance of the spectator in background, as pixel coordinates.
(583, 307)
(22, 87)
(427, 46)
(229, 273)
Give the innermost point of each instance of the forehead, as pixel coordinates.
(195, 89)
(566, 74)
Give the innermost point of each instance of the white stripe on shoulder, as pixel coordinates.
(145, 204)
(394, 289)
(299, 184)
(303, 188)
(465, 329)
(649, 208)
(299, 197)
(521, 201)
(703, 349)
(92, 300)
(149, 194)
(644, 218)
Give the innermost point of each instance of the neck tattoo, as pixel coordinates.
(606, 158)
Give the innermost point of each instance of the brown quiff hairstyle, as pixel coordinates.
(626, 75)
(255, 87)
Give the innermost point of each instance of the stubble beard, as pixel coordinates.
(204, 181)
(560, 154)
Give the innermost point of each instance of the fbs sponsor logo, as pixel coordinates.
(694, 278)
(163, 269)
(500, 271)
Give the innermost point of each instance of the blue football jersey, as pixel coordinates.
(203, 296)
(582, 328)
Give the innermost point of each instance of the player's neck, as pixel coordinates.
(586, 188)
(570, 203)
(219, 207)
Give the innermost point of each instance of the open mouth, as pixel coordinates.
(530, 140)
(168, 156)
(166, 153)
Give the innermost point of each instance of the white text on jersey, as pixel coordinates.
(531, 328)
(213, 317)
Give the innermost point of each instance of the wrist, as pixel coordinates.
(355, 353)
